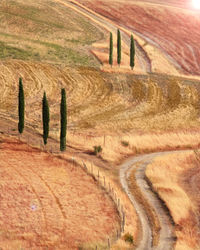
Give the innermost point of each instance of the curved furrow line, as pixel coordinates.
(52, 193)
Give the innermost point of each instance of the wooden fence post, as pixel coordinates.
(108, 243)
(123, 222)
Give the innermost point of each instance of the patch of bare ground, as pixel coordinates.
(47, 202)
(175, 178)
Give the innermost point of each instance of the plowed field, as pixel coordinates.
(173, 30)
(47, 203)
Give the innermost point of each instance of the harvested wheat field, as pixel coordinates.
(150, 112)
(175, 177)
(47, 203)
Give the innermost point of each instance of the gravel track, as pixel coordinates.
(166, 237)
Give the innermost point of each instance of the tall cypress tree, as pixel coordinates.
(118, 47)
(63, 120)
(45, 118)
(21, 107)
(132, 53)
(111, 50)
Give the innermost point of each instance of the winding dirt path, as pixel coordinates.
(166, 237)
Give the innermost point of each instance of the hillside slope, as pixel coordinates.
(45, 31)
(173, 31)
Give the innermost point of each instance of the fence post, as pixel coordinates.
(108, 243)
(123, 222)
(98, 175)
(119, 203)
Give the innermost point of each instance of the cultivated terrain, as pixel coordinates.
(48, 200)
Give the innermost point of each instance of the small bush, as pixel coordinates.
(128, 238)
(97, 150)
(125, 143)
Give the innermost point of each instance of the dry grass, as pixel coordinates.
(151, 113)
(172, 177)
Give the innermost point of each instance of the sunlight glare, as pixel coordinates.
(196, 4)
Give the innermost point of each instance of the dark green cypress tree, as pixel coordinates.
(118, 47)
(132, 53)
(21, 107)
(111, 50)
(45, 118)
(63, 120)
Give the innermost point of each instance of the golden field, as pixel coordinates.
(175, 177)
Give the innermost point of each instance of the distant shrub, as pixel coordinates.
(97, 150)
(128, 238)
(125, 143)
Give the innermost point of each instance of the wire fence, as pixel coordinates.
(103, 183)
(95, 173)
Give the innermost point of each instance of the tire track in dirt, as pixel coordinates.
(52, 193)
(35, 193)
(166, 237)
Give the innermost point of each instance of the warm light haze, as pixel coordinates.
(196, 4)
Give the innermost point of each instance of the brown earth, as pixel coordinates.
(49, 203)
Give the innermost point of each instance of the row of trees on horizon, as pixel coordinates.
(45, 115)
(119, 52)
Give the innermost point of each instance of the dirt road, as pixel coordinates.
(166, 237)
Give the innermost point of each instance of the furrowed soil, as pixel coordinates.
(48, 203)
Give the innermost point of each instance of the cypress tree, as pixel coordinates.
(111, 50)
(45, 118)
(132, 53)
(118, 47)
(63, 120)
(21, 105)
